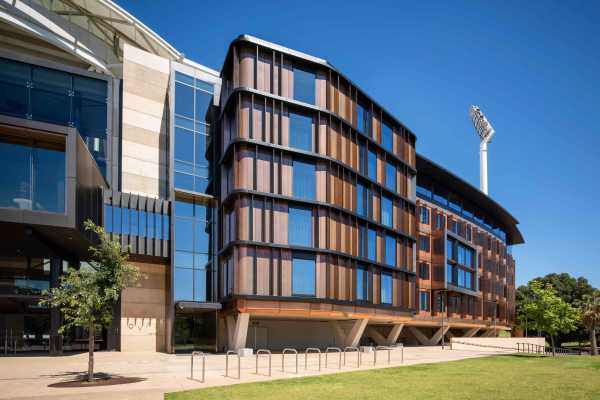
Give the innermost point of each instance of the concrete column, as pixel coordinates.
(356, 332)
(471, 332)
(420, 336)
(437, 337)
(388, 340)
(340, 335)
(55, 343)
(237, 331)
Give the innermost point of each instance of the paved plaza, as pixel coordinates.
(24, 377)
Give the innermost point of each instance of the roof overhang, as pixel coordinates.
(475, 196)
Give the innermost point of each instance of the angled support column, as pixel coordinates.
(376, 336)
(338, 332)
(437, 337)
(237, 331)
(394, 334)
(471, 332)
(420, 336)
(356, 332)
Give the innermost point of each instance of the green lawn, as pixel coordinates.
(501, 377)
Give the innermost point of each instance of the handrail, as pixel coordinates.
(352, 348)
(199, 354)
(334, 349)
(288, 351)
(387, 348)
(307, 352)
(266, 352)
(232, 352)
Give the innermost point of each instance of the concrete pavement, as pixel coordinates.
(26, 377)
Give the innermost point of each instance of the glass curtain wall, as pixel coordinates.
(48, 95)
(192, 278)
(193, 98)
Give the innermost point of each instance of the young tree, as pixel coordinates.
(590, 316)
(86, 296)
(548, 312)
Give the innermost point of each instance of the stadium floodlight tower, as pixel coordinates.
(486, 133)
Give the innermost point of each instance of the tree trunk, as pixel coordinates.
(91, 346)
(552, 342)
(593, 343)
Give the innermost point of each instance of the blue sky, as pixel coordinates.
(533, 67)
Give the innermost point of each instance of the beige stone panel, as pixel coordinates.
(138, 334)
(142, 185)
(143, 104)
(149, 138)
(134, 74)
(150, 60)
(142, 168)
(144, 89)
(142, 120)
(142, 152)
(143, 295)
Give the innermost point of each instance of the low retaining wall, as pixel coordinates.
(497, 343)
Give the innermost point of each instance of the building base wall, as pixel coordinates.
(143, 310)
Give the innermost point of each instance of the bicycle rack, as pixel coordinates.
(229, 353)
(307, 352)
(337, 350)
(198, 354)
(288, 351)
(387, 348)
(260, 352)
(357, 350)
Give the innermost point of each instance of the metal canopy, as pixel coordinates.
(112, 25)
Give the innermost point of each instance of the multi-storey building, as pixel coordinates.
(271, 204)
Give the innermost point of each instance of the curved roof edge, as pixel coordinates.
(507, 221)
(307, 57)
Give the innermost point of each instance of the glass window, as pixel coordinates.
(184, 145)
(363, 283)
(304, 183)
(424, 243)
(386, 137)
(372, 165)
(362, 158)
(184, 234)
(469, 258)
(150, 227)
(449, 273)
(423, 191)
(117, 219)
(461, 277)
(200, 282)
(304, 86)
(300, 226)
(386, 211)
(424, 270)
(50, 100)
(461, 258)
(424, 301)
(390, 176)
(390, 250)
(13, 87)
(440, 221)
(184, 284)
(362, 119)
(362, 240)
(108, 215)
(134, 216)
(184, 100)
(303, 275)
(36, 180)
(450, 250)
(372, 245)
(202, 236)
(203, 102)
(143, 223)
(469, 280)
(441, 196)
(386, 288)
(424, 215)
(125, 221)
(301, 131)
(361, 208)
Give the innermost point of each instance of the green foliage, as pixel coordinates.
(86, 296)
(590, 316)
(547, 312)
(568, 288)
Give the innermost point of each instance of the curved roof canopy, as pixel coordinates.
(473, 195)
